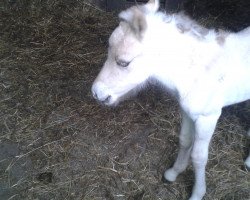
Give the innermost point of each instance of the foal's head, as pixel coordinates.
(126, 67)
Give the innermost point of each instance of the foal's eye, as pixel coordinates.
(122, 63)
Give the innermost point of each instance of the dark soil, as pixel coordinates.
(56, 142)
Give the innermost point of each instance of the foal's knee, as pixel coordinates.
(185, 141)
(199, 155)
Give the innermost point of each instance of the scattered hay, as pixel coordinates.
(58, 143)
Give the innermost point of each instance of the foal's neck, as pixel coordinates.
(181, 57)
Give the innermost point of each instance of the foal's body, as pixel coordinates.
(206, 70)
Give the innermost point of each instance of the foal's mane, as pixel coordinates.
(186, 25)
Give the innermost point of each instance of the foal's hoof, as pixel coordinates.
(170, 175)
(164, 180)
(247, 163)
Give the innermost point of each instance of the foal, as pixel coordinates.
(206, 70)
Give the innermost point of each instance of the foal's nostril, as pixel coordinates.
(107, 99)
(94, 95)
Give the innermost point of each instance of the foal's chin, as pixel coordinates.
(126, 96)
(111, 104)
(116, 102)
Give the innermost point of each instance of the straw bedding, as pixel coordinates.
(56, 142)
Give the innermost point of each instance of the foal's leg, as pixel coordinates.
(247, 162)
(186, 141)
(204, 129)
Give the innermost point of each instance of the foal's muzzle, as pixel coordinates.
(101, 93)
(102, 101)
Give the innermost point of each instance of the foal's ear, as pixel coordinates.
(152, 6)
(136, 20)
(135, 16)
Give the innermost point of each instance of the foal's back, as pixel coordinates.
(235, 63)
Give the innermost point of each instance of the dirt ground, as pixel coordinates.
(56, 142)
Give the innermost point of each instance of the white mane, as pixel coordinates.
(185, 25)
